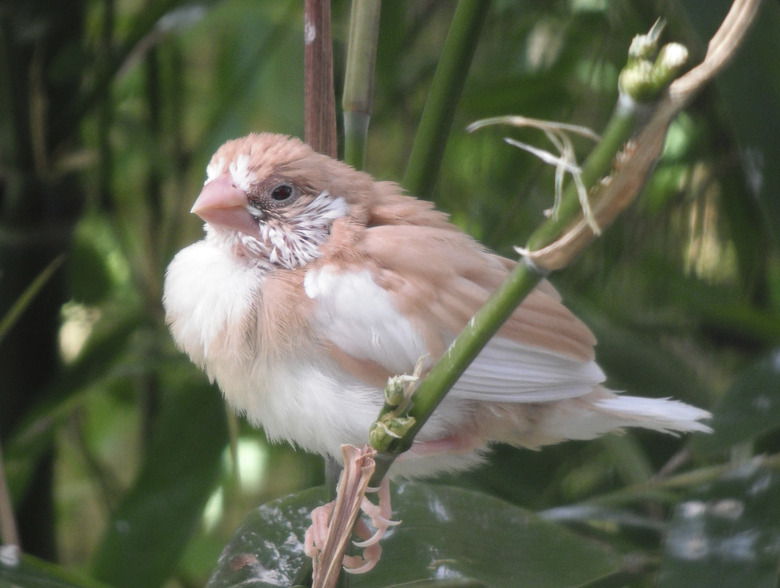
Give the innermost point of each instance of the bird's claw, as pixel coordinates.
(379, 514)
(330, 525)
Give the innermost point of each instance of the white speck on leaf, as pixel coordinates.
(740, 547)
(762, 403)
(694, 547)
(693, 508)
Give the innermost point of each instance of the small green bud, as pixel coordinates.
(642, 47)
(398, 426)
(643, 79)
(384, 431)
(645, 46)
(397, 389)
(671, 59)
(636, 81)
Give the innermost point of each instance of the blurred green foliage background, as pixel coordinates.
(110, 112)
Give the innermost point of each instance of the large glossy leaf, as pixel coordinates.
(727, 534)
(749, 408)
(447, 533)
(29, 572)
(156, 518)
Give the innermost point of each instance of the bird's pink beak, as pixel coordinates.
(224, 205)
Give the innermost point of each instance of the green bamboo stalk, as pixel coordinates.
(447, 86)
(358, 98)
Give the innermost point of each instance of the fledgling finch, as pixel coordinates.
(315, 283)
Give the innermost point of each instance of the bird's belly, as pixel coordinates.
(299, 394)
(312, 403)
(309, 402)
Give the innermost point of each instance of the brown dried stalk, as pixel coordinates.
(638, 159)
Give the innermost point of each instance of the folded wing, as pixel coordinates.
(394, 305)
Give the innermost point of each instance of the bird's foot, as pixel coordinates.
(334, 523)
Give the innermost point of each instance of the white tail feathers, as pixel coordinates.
(660, 414)
(603, 411)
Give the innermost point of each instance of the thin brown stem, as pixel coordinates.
(319, 97)
(8, 529)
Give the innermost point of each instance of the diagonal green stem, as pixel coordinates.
(479, 330)
(447, 86)
(520, 282)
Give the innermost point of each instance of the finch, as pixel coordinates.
(314, 283)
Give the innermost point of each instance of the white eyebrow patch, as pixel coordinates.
(214, 169)
(239, 170)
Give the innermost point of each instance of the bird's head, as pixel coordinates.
(273, 199)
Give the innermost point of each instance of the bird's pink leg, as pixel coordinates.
(334, 523)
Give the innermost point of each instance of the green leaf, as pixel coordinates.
(749, 408)
(727, 534)
(447, 534)
(151, 527)
(30, 572)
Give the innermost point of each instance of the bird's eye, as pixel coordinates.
(274, 196)
(282, 193)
